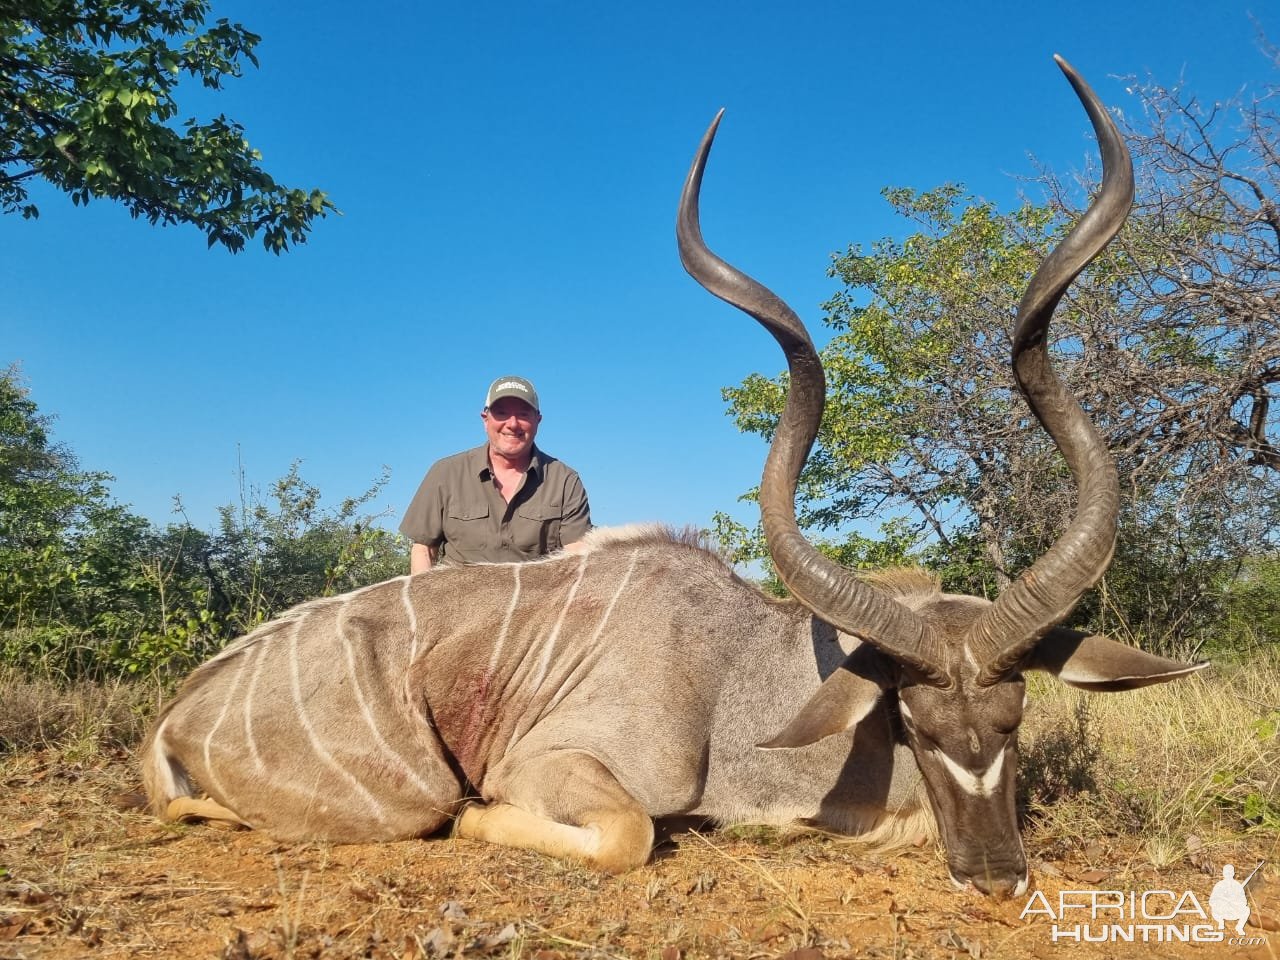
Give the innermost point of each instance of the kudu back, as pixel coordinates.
(561, 705)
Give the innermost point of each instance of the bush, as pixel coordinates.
(89, 590)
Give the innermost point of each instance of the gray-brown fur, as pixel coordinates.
(664, 691)
(953, 665)
(583, 695)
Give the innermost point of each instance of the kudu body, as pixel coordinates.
(582, 696)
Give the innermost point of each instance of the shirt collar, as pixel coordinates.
(478, 461)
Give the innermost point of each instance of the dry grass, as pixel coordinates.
(76, 720)
(1198, 758)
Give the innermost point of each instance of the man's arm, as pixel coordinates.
(423, 522)
(577, 516)
(422, 557)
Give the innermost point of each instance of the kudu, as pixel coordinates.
(581, 696)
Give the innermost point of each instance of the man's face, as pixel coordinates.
(511, 424)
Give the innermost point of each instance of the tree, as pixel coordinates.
(1170, 340)
(87, 102)
(88, 588)
(270, 554)
(43, 494)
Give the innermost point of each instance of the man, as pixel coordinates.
(503, 501)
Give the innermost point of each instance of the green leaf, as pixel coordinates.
(107, 90)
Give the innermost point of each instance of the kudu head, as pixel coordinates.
(955, 663)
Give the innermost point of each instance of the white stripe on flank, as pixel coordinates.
(530, 717)
(549, 647)
(168, 787)
(506, 623)
(295, 681)
(248, 709)
(626, 578)
(413, 619)
(979, 785)
(587, 660)
(214, 782)
(369, 720)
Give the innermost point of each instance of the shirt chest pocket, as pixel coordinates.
(467, 526)
(535, 528)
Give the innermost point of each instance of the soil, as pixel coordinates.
(81, 878)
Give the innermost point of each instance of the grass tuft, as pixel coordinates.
(79, 720)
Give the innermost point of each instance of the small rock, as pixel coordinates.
(453, 910)
(495, 940)
(1198, 854)
(438, 943)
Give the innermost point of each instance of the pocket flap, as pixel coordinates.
(475, 511)
(541, 512)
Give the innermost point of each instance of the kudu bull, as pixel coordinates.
(582, 696)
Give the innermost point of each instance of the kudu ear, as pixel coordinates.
(1096, 663)
(841, 703)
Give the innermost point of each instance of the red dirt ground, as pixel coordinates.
(79, 878)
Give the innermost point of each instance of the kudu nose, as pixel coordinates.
(999, 887)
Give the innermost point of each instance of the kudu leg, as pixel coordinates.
(565, 804)
(202, 808)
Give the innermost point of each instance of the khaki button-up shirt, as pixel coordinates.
(458, 509)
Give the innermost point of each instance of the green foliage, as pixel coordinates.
(927, 454)
(930, 308)
(1251, 604)
(88, 103)
(88, 589)
(927, 451)
(1165, 587)
(45, 501)
(272, 554)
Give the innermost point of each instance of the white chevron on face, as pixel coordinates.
(976, 784)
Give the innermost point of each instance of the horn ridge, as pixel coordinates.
(1044, 594)
(826, 588)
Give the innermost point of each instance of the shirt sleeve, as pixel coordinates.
(424, 520)
(576, 519)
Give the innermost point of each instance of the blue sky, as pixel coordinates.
(508, 175)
